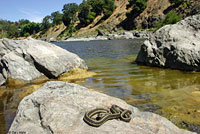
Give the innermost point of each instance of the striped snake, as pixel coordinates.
(99, 116)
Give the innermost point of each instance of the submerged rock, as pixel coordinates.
(59, 108)
(174, 46)
(29, 59)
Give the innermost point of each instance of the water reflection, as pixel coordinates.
(2, 118)
(7, 112)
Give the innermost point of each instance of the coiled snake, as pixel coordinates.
(99, 116)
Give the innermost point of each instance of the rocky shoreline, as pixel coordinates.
(114, 36)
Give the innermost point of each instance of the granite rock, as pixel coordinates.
(59, 108)
(174, 46)
(29, 59)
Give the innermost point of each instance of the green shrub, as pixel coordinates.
(30, 28)
(138, 5)
(26, 34)
(171, 18)
(34, 36)
(37, 37)
(58, 38)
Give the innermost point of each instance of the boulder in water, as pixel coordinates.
(29, 59)
(174, 46)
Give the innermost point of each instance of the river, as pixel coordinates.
(170, 93)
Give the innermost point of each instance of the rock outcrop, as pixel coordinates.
(174, 46)
(29, 59)
(59, 108)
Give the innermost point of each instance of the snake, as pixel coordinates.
(99, 116)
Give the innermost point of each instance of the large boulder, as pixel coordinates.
(59, 108)
(174, 46)
(29, 59)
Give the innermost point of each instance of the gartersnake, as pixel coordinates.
(99, 116)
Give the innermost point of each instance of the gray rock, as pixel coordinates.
(174, 46)
(59, 108)
(29, 59)
(18, 68)
(52, 40)
(128, 35)
(125, 35)
(100, 33)
(142, 34)
(152, 21)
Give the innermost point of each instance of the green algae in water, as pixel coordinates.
(176, 92)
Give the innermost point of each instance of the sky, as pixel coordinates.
(33, 10)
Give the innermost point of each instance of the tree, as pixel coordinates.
(86, 16)
(30, 28)
(13, 30)
(108, 8)
(56, 17)
(46, 23)
(69, 13)
(9, 29)
(23, 22)
(138, 5)
(102, 6)
(96, 6)
(88, 10)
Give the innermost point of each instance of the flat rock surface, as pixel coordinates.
(174, 46)
(59, 108)
(29, 59)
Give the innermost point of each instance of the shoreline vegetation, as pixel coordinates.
(92, 16)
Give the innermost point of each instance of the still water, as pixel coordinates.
(170, 93)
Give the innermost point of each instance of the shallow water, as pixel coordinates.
(170, 93)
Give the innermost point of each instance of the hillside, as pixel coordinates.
(107, 16)
(154, 12)
(123, 18)
(119, 19)
(109, 24)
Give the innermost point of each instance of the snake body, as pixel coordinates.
(99, 116)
